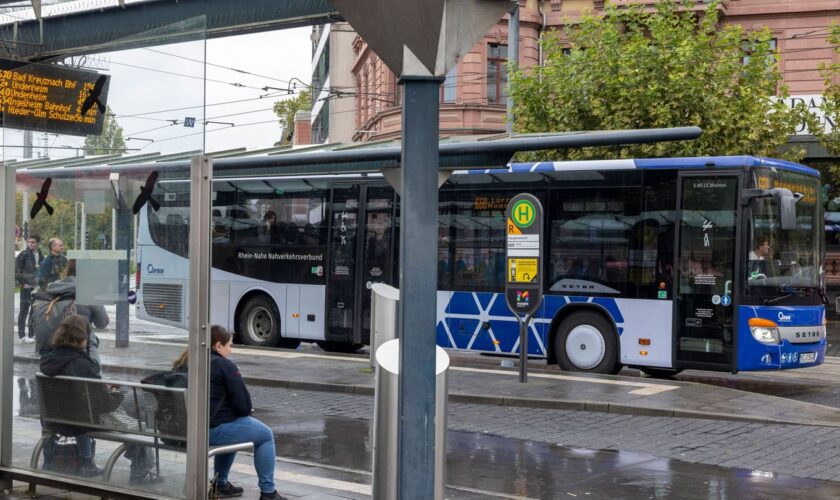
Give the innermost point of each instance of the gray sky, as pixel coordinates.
(148, 85)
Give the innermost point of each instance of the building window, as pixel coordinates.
(749, 50)
(448, 89)
(322, 71)
(496, 73)
(321, 125)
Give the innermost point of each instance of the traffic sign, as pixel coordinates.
(523, 255)
(523, 282)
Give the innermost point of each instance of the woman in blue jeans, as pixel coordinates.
(231, 421)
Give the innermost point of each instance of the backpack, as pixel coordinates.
(169, 418)
(48, 311)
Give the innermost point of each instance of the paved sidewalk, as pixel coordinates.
(493, 386)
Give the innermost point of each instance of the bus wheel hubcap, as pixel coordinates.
(585, 347)
(259, 323)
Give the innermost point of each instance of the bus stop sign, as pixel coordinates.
(523, 282)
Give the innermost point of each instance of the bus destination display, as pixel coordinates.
(49, 98)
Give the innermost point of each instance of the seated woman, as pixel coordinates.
(231, 421)
(69, 357)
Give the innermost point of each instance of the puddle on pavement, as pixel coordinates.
(478, 462)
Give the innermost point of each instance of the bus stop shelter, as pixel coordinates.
(102, 193)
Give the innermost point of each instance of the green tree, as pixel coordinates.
(831, 98)
(631, 69)
(110, 141)
(286, 109)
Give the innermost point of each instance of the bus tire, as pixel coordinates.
(259, 324)
(586, 342)
(343, 347)
(665, 373)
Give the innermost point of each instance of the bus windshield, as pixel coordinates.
(779, 258)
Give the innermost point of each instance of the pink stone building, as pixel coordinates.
(472, 100)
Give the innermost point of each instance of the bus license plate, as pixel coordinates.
(807, 357)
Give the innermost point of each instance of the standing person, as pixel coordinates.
(231, 421)
(26, 267)
(53, 266)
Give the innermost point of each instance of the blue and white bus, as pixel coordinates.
(663, 264)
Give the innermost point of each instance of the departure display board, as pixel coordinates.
(51, 98)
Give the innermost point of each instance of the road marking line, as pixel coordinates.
(362, 489)
(644, 388)
(293, 477)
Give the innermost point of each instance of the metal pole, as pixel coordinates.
(122, 241)
(7, 313)
(513, 59)
(24, 213)
(523, 347)
(385, 421)
(418, 287)
(114, 229)
(75, 225)
(83, 236)
(199, 341)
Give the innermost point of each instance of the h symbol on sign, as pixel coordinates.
(523, 212)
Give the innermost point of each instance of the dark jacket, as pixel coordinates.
(69, 362)
(229, 398)
(72, 363)
(26, 267)
(50, 270)
(96, 314)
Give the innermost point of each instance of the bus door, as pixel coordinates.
(361, 254)
(706, 249)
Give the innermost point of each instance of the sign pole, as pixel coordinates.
(523, 347)
(523, 279)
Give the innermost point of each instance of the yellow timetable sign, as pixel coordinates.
(522, 270)
(51, 98)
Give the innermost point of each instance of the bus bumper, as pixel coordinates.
(754, 355)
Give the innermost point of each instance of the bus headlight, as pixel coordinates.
(765, 335)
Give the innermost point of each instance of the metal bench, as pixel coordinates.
(78, 402)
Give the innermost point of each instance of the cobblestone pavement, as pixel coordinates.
(797, 450)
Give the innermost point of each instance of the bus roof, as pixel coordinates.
(698, 162)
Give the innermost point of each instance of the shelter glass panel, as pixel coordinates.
(102, 262)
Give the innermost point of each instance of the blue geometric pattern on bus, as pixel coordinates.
(466, 314)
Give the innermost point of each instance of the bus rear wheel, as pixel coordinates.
(259, 324)
(586, 342)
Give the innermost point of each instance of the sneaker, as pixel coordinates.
(145, 477)
(227, 490)
(271, 496)
(28, 340)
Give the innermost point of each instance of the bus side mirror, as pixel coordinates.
(786, 202)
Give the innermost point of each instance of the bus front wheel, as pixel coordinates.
(259, 324)
(586, 342)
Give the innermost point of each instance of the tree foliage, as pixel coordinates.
(831, 98)
(286, 109)
(631, 69)
(110, 141)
